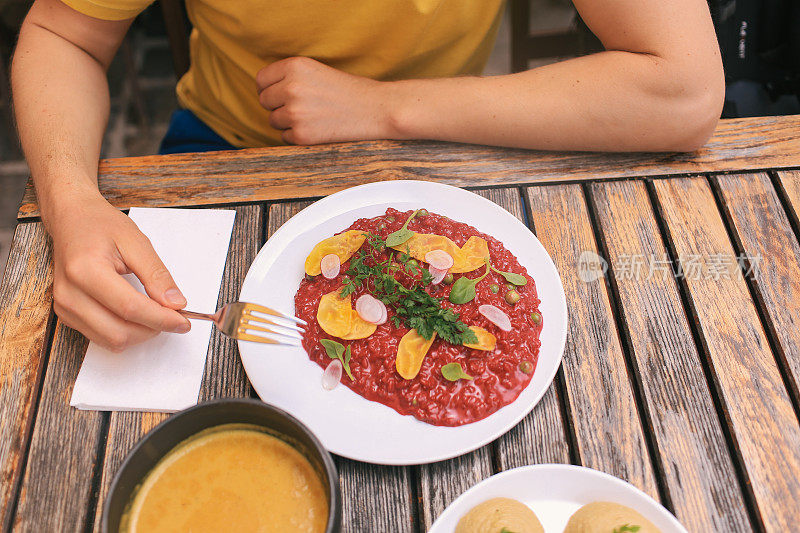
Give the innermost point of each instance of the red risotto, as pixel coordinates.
(454, 384)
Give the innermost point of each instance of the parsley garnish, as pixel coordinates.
(414, 307)
(627, 528)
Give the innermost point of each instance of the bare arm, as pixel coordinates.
(659, 86)
(61, 104)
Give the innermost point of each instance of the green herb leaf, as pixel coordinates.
(506, 530)
(463, 289)
(336, 350)
(333, 348)
(454, 372)
(515, 279)
(402, 235)
(346, 362)
(399, 237)
(627, 528)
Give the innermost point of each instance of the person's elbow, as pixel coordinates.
(696, 108)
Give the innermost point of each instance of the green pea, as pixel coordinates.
(422, 213)
(495, 288)
(448, 278)
(536, 317)
(526, 367)
(512, 297)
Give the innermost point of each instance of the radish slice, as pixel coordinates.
(496, 316)
(437, 273)
(384, 316)
(439, 259)
(370, 309)
(330, 266)
(332, 375)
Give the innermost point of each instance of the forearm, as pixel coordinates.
(614, 100)
(61, 103)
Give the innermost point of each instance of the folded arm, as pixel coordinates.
(658, 86)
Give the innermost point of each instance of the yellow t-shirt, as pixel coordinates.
(381, 39)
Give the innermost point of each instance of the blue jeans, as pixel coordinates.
(187, 133)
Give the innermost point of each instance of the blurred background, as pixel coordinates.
(760, 42)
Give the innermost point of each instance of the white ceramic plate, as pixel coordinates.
(554, 492)
(346, 423)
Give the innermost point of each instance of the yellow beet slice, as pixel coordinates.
(359, 329)
(486, 341)
(473, 255)
(343, 245)
(465, 259)
(334, 314)
(410, 353)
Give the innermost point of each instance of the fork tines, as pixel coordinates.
(282, 329)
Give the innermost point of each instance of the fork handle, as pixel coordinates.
(201, 316)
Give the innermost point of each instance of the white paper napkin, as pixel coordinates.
(164, 373)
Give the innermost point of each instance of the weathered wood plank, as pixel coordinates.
(765, 236)
(605, 420)
(441, 483)
(694, 461)
(374, 498)
(540, 437)
(224, 375)
(57, 488)
(766, 430)
(25, 310)
(292, 172)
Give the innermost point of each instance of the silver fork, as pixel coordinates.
(247, 322)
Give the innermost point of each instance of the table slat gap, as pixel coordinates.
(687, 432)
(782, 180)
(26, 318)
(596, 390)
(95, 506)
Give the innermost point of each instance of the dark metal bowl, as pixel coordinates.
(184, 424)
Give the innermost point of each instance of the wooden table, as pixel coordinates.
(684, 383)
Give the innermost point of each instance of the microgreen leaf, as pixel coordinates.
(346, 362)
(463, 289)
(515, 279)
(627, 528)
(506, 530)
(454, 372)
(333, 348)
(336, 350)
(403, 234)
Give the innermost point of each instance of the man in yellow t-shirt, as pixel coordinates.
(270, 71)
